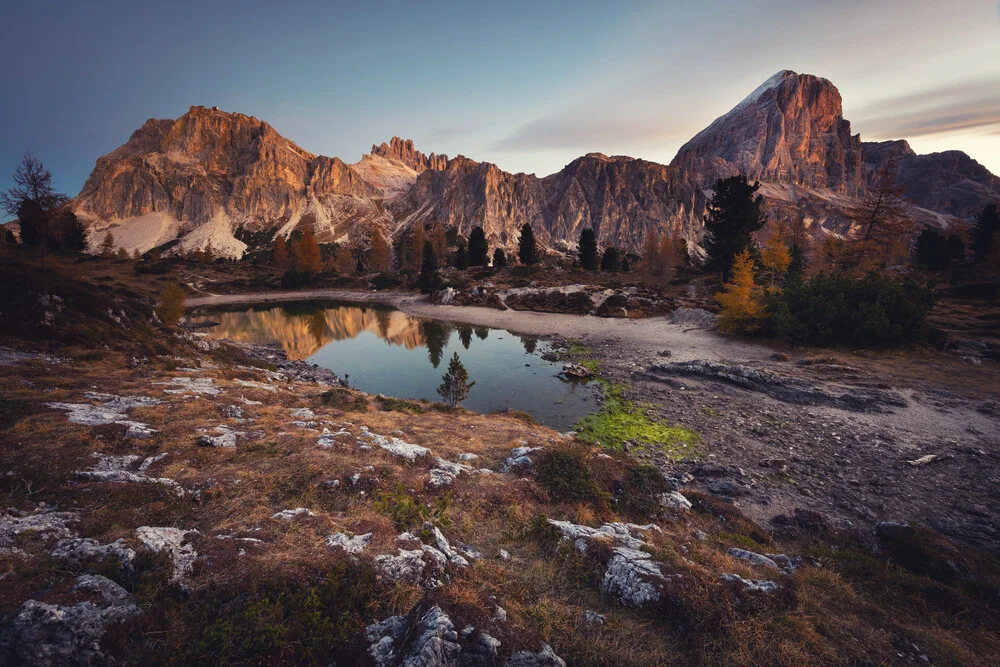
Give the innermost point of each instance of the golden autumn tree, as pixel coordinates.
(882, 228)
(741, 298)
(379, 252)
(280, 258)
(412, 250)
(171, 306)
(776, 257)
(108, 245)
(306, 252)
(438, 238)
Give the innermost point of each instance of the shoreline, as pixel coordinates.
(651, 335)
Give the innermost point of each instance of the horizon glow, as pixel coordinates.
(528, 86)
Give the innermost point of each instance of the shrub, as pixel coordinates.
(171, 307)
(566, 476)
(342, 399)
(638, 492)
(874, 311)
(384, 281)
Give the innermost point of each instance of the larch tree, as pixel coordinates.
(455, 383)
(308, 259)
(108, 245)
(438, 238)
(741, 298)
(34, 201)
(775, 259)
(882, 228)
(379, 252)
(412, 250)
(171, 306)
(280, 259)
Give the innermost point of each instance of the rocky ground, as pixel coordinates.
(173, 500)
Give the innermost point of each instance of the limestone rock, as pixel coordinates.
(47, 634)
(171, 541)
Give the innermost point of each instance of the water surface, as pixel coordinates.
(385, 351)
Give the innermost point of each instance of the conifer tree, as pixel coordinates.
(379, 252)
(455, 386)
(735, 212)
(429, 278)
(478, 249)
(108, 245)
(499, 258)
(307, 255)
(984, 231)
(611, 260)
(171, 306)
(527, 249)
(741, 299)
(280, 259)
(588, 250)
(775, 258)
(461, 257)
(883, 229)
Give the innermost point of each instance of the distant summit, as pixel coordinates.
(196, 180)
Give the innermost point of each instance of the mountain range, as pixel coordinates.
(197, 179)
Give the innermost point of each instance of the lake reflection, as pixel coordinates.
(388, 352)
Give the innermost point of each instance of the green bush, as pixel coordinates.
(383, 281)
(566, 476)
(838, 309)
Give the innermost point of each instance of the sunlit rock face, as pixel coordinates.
(194, 181)
(789, 130)
(302, 335)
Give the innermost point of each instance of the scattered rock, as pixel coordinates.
(780, 387)
(544, 658)
(752, 558)
(395, 446)
(78, 550)
(752, 585)
(593, 618)
(48, 634)
(110, 468)
(519, 457)
(674, 500)
(188, 385)
(172, 542)
(352, 545)
(224, 437)
(575, 371)
(444, 472)
(288, 515)
(698, 318)
(46, 525)
(112, 410)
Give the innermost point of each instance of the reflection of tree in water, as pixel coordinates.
(465, 335)
(436, 335)
(384, 317)
(316, 324)
(482, 333)
(529, 344)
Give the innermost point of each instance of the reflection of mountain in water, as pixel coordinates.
(303, 331)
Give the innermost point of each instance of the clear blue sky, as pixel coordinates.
(527, 85)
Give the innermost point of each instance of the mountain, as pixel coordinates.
(197, 179)
(790, 130)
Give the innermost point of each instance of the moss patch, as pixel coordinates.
(621, 421)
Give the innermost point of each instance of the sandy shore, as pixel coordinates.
(646, 336)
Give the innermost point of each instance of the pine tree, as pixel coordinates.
(438, 238)
(527, 248)
(797, 264)
(108, 245)
(588, 250)
(735, 212)
(122, 253)
(455, 386)
(984, 231)
(308, 260)
(280, 259)
(429, 279)
(461, 257)
(741, 299)
(499, 258)
(626, 264)
(412, 250)
(478, 249)
(611, 260)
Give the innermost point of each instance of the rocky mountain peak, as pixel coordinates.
(402, 150)
(791, 129)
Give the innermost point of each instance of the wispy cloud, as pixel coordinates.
(968, 105)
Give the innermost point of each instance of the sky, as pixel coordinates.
(527, 85)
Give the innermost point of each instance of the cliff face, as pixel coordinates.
(790, 130)
(200, 177)
(951, 181)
